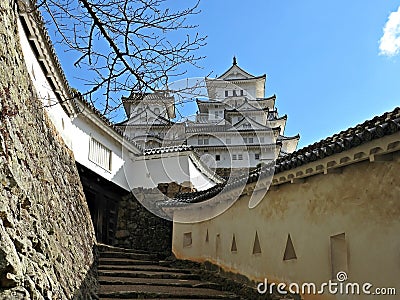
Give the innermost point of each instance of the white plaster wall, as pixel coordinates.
(76, 133)
(361, 202)
(43, 88)
(83, 131)
(172, 167)
(149, 171)
(198, 179)
(289, 146)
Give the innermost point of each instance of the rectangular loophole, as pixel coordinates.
(338, 254)
(187, 239)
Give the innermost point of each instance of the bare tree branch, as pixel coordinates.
(125, 45)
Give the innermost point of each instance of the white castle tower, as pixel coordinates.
(236, 127)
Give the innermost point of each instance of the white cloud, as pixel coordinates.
(389, 43)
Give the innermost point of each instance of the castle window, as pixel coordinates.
(157, 111)
(234, 93)
(257, 156)
(202, 140)
(251, 140)
(226, 93)
(241, 92)
(99, 154)
(218, 114)
(240, 156)
(234, 157)
(217, 157)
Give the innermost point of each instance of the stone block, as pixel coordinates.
(120, 234)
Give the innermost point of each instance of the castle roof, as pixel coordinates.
(285, 138)
(156, 97)
(227, 128)
(273, 97)
(169, 149)
(376, 128)
(235, 73)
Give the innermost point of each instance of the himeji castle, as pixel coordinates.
(235, 126)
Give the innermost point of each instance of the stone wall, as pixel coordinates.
(172, 189)
(47, 239)
(138, 228)
(232, 172)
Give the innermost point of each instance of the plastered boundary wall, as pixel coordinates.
(356, 199)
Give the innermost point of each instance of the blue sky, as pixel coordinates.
(322, 58)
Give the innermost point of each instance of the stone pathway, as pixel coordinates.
(130, 274)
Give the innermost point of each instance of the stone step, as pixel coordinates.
(146, 274)
(158, 298)
(114, 254)
(126, 261)
(107, 280)
(133, 274)
(163, 292)
(143, 268)
(105, 248)
(165, 263)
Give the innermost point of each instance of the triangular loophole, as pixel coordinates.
(207, 238)
(233, 246)
(256, 246)
(289, 250)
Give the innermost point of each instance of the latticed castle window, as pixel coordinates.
(99, 154)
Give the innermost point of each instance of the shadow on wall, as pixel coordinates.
(137, 228)
(119, 219)
(89, 285)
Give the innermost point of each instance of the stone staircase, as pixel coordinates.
(132, 274)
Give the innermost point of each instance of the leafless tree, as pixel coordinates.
(125, 45)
